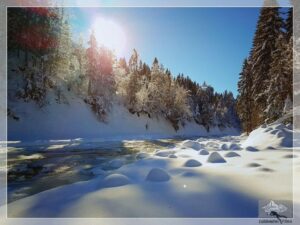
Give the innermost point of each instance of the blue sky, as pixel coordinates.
(206, 44)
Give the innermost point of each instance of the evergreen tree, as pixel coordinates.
(281, 77)
(133, 61)
(245, 101)
(92, 62)
(268, 29)
(101, 82)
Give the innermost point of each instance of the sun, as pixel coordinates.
(110, 34)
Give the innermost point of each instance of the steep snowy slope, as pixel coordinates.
(74, 119)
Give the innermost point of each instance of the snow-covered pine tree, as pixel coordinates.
(281, 76)
(133, 61)
(62, 56)
(132, 86)
(92, 62)
(268, 29)
(180, 110)
(93, 73)
(244, 100)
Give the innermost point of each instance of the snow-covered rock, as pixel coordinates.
(251, 149)
(231, 154)
(215, 157)
(203, 152)
(254, 164)
(275, 135)
(158, 175)
(164, 153)
(224, 146)
(265, 169)
(172, 156)
(98, 171)
(192, 163)
(235, 146)
(116, 163)
(142, 155)
(116, 180)
(192, 144)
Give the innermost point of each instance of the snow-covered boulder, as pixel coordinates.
(172, 156)
(189, 174)
(116, 163)
(235, 146)
(203, 152)
(116, 180)
(265, 169)
(224, 146)
(98, 171)
(215, 157)
(251, 149)
(158, 175)
(192, 144)
(276, 135)
(142, 155)
(254, 164)
(192, 163)
(164, 153)
(231, 154)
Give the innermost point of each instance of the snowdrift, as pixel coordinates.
(270, 137)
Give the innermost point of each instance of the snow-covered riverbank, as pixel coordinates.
(207, 177)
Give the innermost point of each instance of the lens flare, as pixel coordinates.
(109, 34)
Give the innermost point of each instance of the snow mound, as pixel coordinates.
(253, 165)
(192, 144)
(215, 157)
(116, 163)
(235, 146)
(251, 149)
(224, 147)
(203, 152)
(158, 175)
(116, 180)
(142, 155)
(232, 154)
(164, 153)
(192, 163)
(98, 171)
(189, 174)
(172, 156)
(274, 135)
(265, 169)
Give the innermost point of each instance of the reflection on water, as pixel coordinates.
(32, 169)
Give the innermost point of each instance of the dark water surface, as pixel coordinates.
(36, 168)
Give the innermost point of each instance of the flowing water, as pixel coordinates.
(36, 168)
